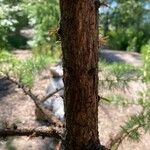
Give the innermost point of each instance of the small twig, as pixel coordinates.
(51, 94)
(34, 132)
(104, 98)
(118, 139)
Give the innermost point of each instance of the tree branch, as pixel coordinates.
(49, 115)
(38, 102)
(118, 139)
(51, 94)
(32, 132)
(103, 98)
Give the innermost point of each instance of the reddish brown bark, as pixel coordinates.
(79, 36)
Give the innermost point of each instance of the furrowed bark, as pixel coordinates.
(79, 36)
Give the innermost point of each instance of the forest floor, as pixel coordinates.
(18, 108)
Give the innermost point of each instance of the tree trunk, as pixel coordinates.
(79, 36)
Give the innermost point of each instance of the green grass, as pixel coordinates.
(24, 70)
(117, 74)
(117, 100)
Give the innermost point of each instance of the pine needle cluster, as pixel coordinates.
(139, 123)
(23, 70)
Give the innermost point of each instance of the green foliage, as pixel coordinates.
(5, 55)
(147, 121)
(117, 39)
(117, 100)
(126, 24)
(7, 61)
(125, 39)
(146, 58)
(114, 78)
(139, 121)
(118, 69)
(133, 122)
(12, 19)
(26, 70)
(117, 75)
(6, 24)
(122, 69)
(44, 17)
(136, 122)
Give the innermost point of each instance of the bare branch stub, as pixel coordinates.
(50, 95)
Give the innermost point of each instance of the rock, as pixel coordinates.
(57, 71)
(56, 105)
(54, 85)
(27, 32)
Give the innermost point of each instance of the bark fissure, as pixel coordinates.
(79, 26)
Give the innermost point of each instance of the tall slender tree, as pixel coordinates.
(79, 36)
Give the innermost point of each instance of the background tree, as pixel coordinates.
(126, 24)
(12, 20)
(44, 18)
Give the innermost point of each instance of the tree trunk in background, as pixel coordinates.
(79, 35)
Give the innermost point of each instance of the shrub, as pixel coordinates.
(44, 17)
(12, 19)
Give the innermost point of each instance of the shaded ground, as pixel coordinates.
(19, 108)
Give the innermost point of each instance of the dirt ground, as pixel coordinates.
(16, 107)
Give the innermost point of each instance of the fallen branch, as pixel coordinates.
(49, 115)
(32, 132)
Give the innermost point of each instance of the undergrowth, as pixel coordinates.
(117, 75)
(23, 70)
(111, 76)
(139, 123)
